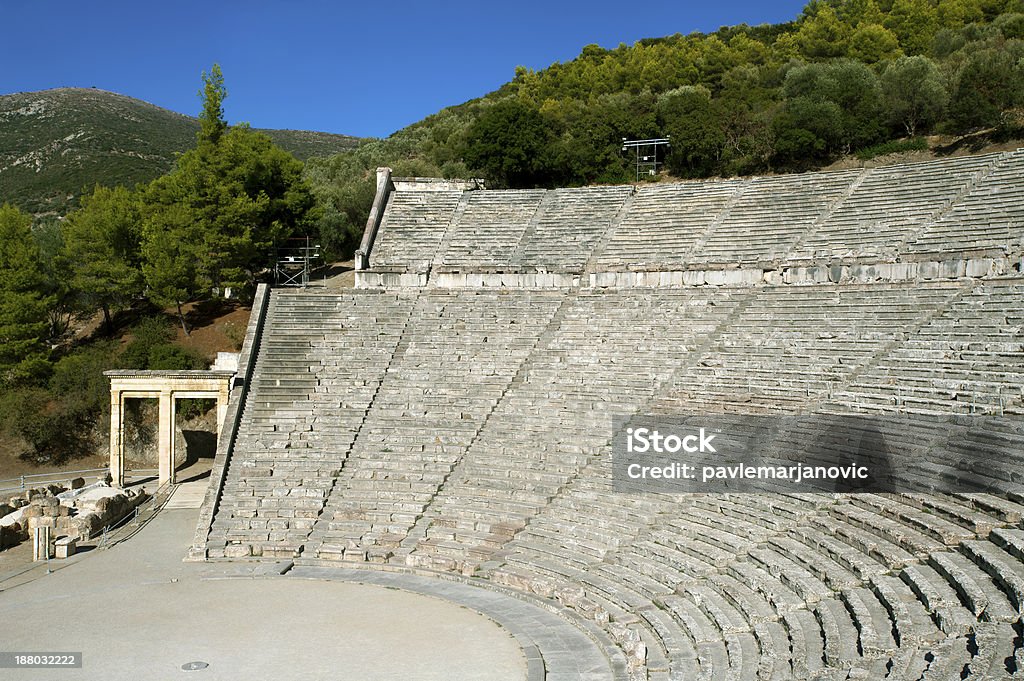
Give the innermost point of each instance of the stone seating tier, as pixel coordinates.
(468, 431)
(936, 211)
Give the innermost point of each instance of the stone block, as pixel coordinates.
(806, 275)
(66, 546)
(746, 277)
(928, 270)
(715, 277)
(41, 521)
(904, 271)
(670, 279)
(980, 267)
(355, 555)
(694, 278)
(952, 269)
(237, 551)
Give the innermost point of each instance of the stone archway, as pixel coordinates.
(165, 386)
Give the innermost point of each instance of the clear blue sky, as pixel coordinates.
(364, 69)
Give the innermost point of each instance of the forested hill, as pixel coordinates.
(845, 77)
(55, 143)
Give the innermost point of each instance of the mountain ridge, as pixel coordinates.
(59, 142)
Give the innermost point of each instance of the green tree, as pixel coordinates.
(872, 43)
(509, 144)
(822, 34)
(212, 223)
(102, 250)
(990, 82)
(590, 149)
(915, 92)
(693, 123)
(839, 103)
(23, 304)
(212, 123)
(50, 239)
(914, 22)
(746, 105)
(171, 247)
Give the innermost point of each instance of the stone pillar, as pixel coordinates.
(222, 404)
(41, 543)
(117, 437)
(165, 439)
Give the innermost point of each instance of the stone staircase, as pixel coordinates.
(317, 372)
(413, 227)
(989, 218)
(462, 350)
(489, 228)
(938, 210)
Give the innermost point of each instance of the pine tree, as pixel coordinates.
(212, 123)
(102, 250)
(23, 305)
(213, 222)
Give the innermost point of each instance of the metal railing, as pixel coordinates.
(24, 482)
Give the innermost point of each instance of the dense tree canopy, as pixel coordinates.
(510, 144)
(24, 304)
(102, 250)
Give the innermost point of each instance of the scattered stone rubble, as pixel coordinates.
(77, 512)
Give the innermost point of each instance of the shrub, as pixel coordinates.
(893, 147)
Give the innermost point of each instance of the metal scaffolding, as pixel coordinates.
(646, 154)
(294, 262)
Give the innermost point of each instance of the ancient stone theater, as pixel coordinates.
(455, 414)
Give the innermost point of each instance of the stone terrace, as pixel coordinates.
(464, 430)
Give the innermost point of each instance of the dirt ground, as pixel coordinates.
(953, 150)
(213, 328)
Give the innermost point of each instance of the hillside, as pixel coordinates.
(54, 143)
(847, 81)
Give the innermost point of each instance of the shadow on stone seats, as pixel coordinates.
(870, 450)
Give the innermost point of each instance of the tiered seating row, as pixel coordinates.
(570, 227)
(559, 412)
(461, 350)
(889, 205)
(990, 217)
(968, 360)
(412, 229)
(946, 208)
(769, 217)
(490, 227)
(468, 430)
(316, 373)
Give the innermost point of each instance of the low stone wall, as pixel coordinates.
(390, 279)
(925, 270)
